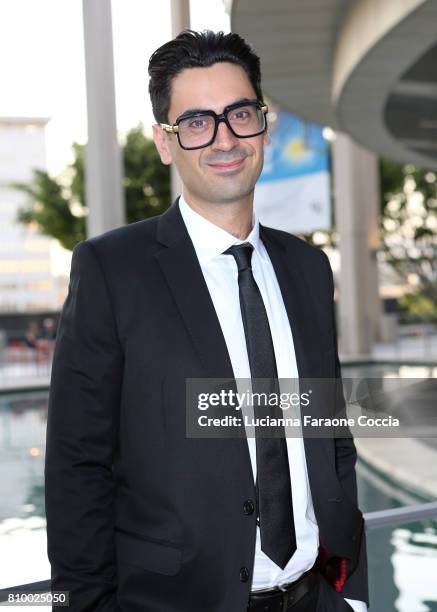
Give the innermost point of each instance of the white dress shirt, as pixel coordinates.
(221, 276)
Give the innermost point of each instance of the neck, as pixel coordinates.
(234, 217)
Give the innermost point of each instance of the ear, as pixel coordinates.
(160, 138)
(266, 138)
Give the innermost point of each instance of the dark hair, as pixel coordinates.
(192, 49)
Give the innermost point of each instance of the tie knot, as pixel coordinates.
(242, 254)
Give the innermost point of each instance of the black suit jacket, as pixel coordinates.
(139, 516)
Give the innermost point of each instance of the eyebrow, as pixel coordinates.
(195, 111)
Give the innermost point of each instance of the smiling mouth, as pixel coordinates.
(232, 165)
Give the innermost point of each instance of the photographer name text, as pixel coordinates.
(307, 421)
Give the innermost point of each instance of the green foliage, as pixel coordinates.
(49, 210)
(146, 179)
(57, 207)
(409, 229)
(419, 308)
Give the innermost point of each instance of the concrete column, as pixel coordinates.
(180, 20)
(103, 167)
(356, 212)
(180, 16)
(373, 242)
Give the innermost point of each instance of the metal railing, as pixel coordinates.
(22, 366)
(398, 516)
(373, 520)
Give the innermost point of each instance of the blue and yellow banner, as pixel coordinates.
(293, 192)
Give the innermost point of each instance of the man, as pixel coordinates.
(140, 516)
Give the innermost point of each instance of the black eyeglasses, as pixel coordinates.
(198, 129)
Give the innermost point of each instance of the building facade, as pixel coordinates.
(26, 280)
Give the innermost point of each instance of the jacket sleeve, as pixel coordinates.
(81, 440)
(356, 584)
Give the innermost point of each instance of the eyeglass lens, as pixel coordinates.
(198, 130)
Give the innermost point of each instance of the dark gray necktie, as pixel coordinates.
(275, 507)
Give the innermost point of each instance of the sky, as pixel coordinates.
(42, 70)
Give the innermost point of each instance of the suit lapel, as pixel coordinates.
(181, 268)
(306, 338)
(298, 304)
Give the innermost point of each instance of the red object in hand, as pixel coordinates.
(332, 568)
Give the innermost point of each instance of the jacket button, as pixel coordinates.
(244, 574)
(248, 507)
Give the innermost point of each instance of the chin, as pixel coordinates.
(230, 193)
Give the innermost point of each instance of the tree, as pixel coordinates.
(57, 206)
(409, 231)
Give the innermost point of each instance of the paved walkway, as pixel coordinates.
(407, 461)
(410, 462)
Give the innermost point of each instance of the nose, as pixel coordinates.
(224, 140)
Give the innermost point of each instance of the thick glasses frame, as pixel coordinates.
(174, 129)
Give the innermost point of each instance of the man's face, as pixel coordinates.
(227, 170)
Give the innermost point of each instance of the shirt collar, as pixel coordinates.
(210, 240)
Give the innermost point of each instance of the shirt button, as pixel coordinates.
(248, 507)
(244, 574)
